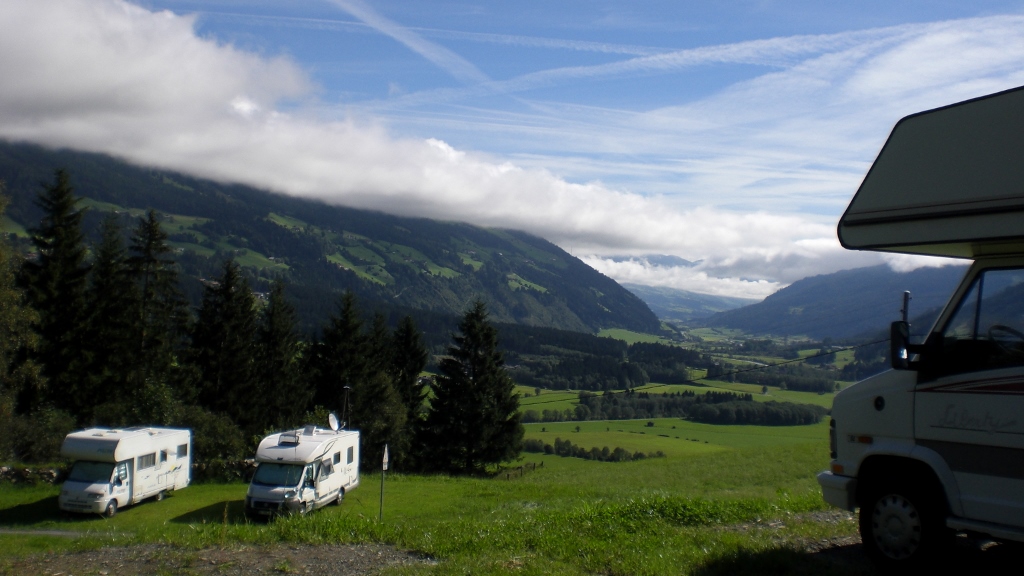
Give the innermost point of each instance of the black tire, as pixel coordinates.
(341, 496)
(159, 496)
(111, 509)
(903, 525)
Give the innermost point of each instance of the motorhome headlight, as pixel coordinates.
(289, 494)
(96, 495)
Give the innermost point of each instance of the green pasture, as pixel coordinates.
(630, 337)
(729, 494)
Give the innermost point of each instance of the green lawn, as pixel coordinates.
(671, 515)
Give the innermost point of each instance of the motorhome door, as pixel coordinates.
(969, 403)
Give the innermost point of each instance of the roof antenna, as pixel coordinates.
(344, 411)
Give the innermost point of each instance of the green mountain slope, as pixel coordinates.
(321, 250)
(845, 304)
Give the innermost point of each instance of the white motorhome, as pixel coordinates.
(302, 470)
(115, 468)
(936, 445)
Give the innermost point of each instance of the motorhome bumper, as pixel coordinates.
(839, 491)
(92, 503)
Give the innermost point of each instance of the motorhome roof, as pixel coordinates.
(298, 446)
(116, 444)
(948, 182)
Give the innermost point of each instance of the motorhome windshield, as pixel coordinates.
(84, 471)
(273, 474)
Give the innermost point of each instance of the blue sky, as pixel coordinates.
(729, 134)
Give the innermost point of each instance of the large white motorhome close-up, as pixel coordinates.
(935, 446)
(114, 468)
(301, 470)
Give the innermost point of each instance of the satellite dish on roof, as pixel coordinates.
(333, 421)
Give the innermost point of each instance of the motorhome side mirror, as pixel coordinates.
(899, 345)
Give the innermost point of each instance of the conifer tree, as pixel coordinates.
(160, 323)
(408, 359)
(18, 341)
(56, 283)
(474, 416)
(112, 297)
(279, 380)
(224, 349)
(339, 359)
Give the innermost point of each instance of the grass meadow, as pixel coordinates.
(723, 500)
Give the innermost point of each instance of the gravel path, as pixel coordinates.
(334, 560)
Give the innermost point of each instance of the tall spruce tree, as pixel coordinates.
(279, 380)
(224, 349)
(160, 324)
(56, 282)
(112, 297)
(18, 341)
(339, 359)
(408, 359)
(473, 420)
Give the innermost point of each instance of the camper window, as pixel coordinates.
(987, 330)
(163, 456)
(147, 461)
(182, 450)
(91, 472)
(271, 474)
(337, 458)
(351, 454)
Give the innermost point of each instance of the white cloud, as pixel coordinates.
(750, 180)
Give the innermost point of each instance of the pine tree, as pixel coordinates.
(279, 380)
(112, 297)
(474, 416)
(18, 342)
(224, 349)
(339, 359)
(56, 283)
(160, 324)
(408, 359)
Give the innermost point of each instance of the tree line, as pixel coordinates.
(711, 407)
(102, 335)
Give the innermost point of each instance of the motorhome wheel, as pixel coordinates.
(902, 527)
(111, 509)
(159, 496)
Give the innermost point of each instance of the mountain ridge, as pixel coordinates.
(322, 250)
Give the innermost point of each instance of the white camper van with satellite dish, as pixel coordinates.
(302, 470)
(114, 468)
(936, 446)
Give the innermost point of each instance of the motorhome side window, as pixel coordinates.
(351, 454)
(183, 451)
(987, 330)
(147, 461)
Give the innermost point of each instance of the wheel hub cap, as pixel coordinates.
(897, 526)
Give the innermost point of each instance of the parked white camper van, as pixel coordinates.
(936, 445)
(116, 468)
(302, 470)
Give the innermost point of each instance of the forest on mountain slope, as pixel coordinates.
(394, 265)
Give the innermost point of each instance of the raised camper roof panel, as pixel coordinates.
(948, 182)
(115, 445)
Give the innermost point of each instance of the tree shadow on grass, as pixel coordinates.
(226, 512)
(968, 556)
(31, 513)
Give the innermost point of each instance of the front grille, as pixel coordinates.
(261, 505)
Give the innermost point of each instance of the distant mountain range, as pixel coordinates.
(682, 306)
(846, 304)
(390, 263)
